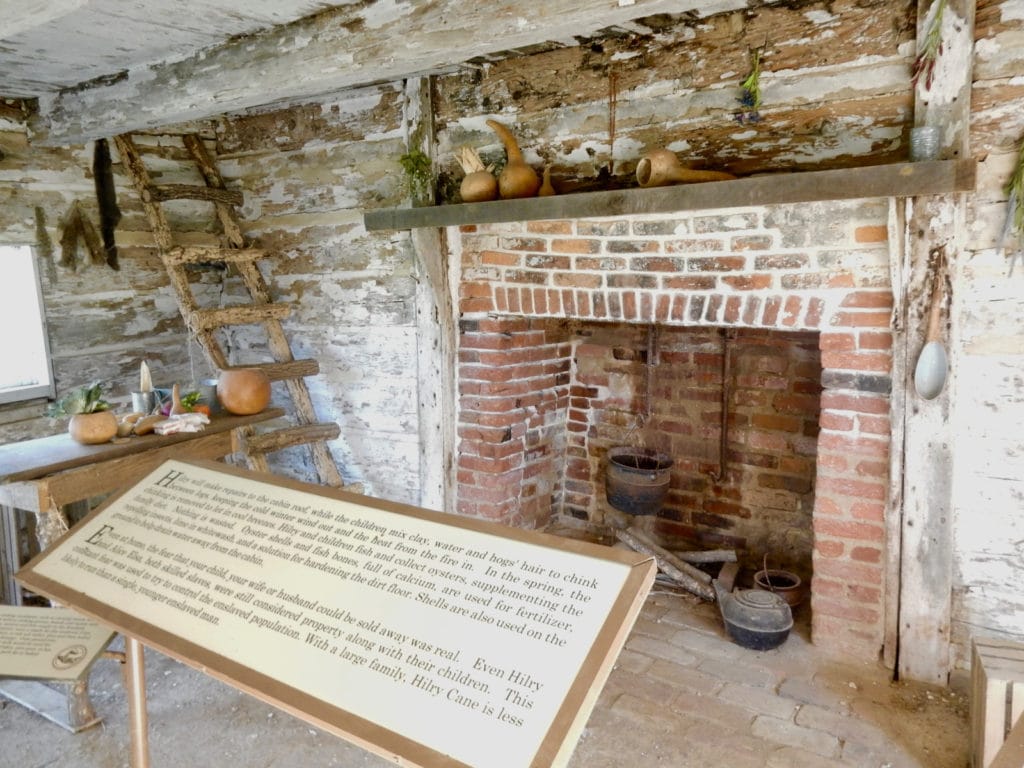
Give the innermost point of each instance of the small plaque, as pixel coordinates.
(48, 643)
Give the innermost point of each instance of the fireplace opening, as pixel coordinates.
(736, 411)
(545, 400)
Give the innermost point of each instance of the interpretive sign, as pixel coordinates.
(430, 639)
(48, 643)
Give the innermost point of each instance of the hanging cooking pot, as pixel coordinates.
(637, 479)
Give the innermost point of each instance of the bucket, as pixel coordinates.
(637, 479)
(786, 584)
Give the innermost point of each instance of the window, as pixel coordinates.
(25, 371)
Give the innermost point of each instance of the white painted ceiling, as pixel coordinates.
(49, 45)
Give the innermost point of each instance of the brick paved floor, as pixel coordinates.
(681, 695)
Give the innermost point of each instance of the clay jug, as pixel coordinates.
(662, 167)
(517, 179)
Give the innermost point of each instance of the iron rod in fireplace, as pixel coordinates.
(723, 430)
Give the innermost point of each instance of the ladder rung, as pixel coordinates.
(243, 314)
(292, 369)
(200, 254)
(158, 193)
(279, 439)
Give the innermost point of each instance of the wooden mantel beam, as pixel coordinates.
(350, 46)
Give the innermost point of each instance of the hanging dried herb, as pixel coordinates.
(931, 49)
(419, 177)
(77, 227)
(1014, 224)
(750, 97)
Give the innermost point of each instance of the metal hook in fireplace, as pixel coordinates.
(651, 360)
(723, 432)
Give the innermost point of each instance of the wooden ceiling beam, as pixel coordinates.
(348, 47)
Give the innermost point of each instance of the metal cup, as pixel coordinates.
(143, 402)
(208, 394)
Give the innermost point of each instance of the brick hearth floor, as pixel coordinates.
(680, 695)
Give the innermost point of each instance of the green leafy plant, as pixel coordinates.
(419, 174)
(931, 49)
(82, 400)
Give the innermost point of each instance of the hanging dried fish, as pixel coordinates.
(92, 243)
(106, 196)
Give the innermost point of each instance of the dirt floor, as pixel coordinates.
(929, 722)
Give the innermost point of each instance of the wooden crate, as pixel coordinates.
(997, 696)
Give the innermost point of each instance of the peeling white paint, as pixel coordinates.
(820, 18)
(955, 58)
(679, 146)
(1011, 10)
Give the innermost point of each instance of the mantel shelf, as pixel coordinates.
(893, 180)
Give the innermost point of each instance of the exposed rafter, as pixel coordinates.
(348, 47)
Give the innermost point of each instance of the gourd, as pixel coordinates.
(92, 421)
(243, 391)
(547, 189)
(176, 405)
(93, 428)
(662, 166)
(479, 184)
(517, 179)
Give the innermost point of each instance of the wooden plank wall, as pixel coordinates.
(308, 173)
(102, 323)
(988, 355)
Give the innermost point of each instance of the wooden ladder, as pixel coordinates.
(204, 323)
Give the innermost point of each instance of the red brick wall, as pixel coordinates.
(822, 268)
(513, 393)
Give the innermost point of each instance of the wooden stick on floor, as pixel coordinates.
(682, 578)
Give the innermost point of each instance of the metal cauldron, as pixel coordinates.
(637, 479)
(754, 618)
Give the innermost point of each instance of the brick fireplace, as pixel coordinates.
(579, 335)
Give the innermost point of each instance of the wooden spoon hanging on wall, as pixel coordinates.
(932, 365)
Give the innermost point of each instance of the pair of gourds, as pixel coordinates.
(517, 178)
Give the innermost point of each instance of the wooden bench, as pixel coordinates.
(997, 702)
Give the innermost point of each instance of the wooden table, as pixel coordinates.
(42, 476)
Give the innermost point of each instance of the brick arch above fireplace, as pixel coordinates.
(814, 267)
(817, 267)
